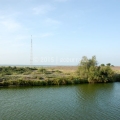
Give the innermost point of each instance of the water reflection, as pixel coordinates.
(79, 102)
(98, 100)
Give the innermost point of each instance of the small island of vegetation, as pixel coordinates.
(87, 71)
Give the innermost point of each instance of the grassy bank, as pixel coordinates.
(25, 76)
(57, 81)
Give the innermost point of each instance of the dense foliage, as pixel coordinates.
(88, 70)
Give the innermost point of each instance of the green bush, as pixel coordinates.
(88, 70)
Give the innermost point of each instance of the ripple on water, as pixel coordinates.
(80, 102)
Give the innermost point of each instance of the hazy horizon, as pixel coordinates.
(63, 31)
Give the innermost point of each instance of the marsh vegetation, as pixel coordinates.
(87, 71)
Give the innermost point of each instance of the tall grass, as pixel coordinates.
(52, 81)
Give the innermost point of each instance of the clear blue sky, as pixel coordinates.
(63, 31)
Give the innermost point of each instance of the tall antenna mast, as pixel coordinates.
(31, 54)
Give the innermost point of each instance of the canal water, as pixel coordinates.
(74, 102)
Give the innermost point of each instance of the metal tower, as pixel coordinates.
(31, 54)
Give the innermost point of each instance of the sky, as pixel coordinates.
(63, 31)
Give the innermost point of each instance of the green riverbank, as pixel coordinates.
(87, 71)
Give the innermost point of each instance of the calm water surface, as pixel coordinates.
(79, 102)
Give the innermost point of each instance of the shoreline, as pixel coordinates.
(46, 76)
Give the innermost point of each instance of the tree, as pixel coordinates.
(106, 74)
(102, 65)
(108, 64)
(88, 70)
(85, 65)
